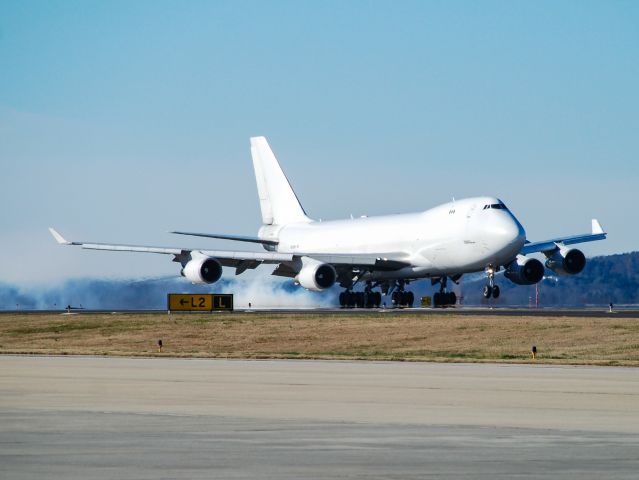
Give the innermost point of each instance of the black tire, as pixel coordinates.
(453, 298)
(342, 299)
(445, 299)
(359, 299)
(395, 299)
(488, 291)
(437, 300)
(410, 299)
(350, 298)
(370, 299)
(496, 291)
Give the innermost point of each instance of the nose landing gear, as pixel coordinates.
(491, 290)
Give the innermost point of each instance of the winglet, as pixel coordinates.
(596, 227)
(58, 238)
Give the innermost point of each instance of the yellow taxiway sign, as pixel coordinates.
(199, 302)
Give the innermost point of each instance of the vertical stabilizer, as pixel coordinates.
(278, 201)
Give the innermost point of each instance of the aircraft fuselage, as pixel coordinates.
(457, 237)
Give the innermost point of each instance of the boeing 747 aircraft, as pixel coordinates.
(383, 254)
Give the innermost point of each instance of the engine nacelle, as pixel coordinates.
(566, 262)
(316, 275)
(525, 271)
(203, 270)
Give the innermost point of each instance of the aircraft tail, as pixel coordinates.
(278, 201)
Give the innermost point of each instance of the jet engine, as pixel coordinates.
(524, 271)
(316, 275)
(203, 270)
(566, 262)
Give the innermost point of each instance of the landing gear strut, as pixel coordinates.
(443, 298)
(491, 290)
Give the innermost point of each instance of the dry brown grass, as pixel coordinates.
(378, 336)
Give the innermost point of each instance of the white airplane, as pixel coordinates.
(385, 252)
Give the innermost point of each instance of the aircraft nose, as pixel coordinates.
(509, 232)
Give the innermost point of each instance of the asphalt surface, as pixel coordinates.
(89, 418)
(594, 312)
(473, 311)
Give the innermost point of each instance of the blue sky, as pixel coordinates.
(120, 121)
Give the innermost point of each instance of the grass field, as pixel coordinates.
(378, 336)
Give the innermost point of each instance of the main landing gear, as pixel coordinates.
(491, 290)
(444, 298)
(365, 299)
(370, 299)
(402, 298)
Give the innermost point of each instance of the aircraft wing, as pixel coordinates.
(242, 259)
(227, 258)
(597, 233)
(378, 262)
(235, 238)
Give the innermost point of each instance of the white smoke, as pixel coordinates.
(271, 292)
(261, 291)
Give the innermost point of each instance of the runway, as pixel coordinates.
(587, 312)
(632, 312)
(88, 417)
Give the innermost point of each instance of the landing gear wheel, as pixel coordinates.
(452, 298)
(437, 299)
(349, 299)
(378, 299)
(488, 291)
(342, 299)
(395, 299)
(372, 299)
(496, 291)
(410, 299)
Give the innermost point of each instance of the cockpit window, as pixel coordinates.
(497, 206)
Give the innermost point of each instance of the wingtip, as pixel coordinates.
(58, 238)
(596, 227)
